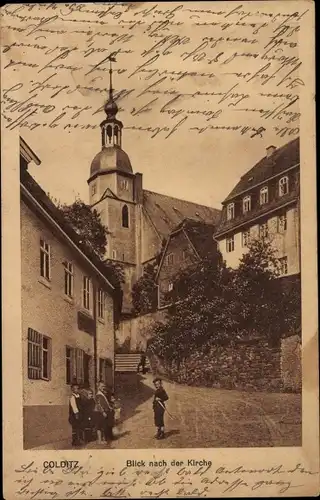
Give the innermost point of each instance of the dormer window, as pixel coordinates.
(230, 211)
(264, 195)
(246, 204)
(284, 185)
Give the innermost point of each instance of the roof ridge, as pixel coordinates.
(284, 146)
(267, 167)
(181, 199)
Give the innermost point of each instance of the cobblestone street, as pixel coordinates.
(204, 417)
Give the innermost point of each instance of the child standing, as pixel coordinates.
(89, 419)
(160, 396)
(75, 415)
(117, 415)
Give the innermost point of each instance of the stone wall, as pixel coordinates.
(291, 370)
(135, 332)
(252, 367)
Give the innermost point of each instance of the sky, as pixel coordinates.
(200, 167)
(181, 166)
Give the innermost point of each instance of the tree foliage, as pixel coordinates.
(144, 291)
(87, 223)
(215, 304)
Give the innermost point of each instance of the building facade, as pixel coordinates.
(265, 204)
(188, 244)
(138, 220)
(68, 308)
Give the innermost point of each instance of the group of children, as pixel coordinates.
(92, 418)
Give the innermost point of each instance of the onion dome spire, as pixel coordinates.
(111, 127)
(111, 108)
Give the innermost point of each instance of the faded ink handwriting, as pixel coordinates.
(172, 73)
(32, 481)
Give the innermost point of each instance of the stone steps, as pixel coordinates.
(128, 362)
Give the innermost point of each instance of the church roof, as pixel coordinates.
(167, 212)
(283, 158)
(111, 158)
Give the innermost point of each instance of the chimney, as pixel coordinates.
(138, 191)
(270, 150)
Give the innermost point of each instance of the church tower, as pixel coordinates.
(116, 193)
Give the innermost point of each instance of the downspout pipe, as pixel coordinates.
(95, 351)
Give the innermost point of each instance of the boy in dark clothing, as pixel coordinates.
(160, 396)
(88, 421)
(75, 415)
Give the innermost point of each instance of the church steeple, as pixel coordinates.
(111, 158)
(111, 128)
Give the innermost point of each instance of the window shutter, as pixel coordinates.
(81, 357)
(49, 358)
(73, 365)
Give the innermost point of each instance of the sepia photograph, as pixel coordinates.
(162, 231)
(140, 307)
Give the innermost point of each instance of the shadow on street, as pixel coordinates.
(132, 392)
(172, 432)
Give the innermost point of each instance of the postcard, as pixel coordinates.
(160, 328)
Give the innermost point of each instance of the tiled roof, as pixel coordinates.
(42, 198)
(167, 212)
(201, 236)
(283, 158)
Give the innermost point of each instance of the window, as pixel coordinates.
(282, 223)
(116, 131)
(283, 266)
(170, 287)
(284, 186)
(93, 189)
(68, 279)
(109, 133)
(75, 366)
(125, 216)
(124, 184)
(114, 254)
(230, 244)
(246, 238)
(184, 254)
(45, 259)
(170, 259)
(39, 356)
(263, 230)
(246, 204)
(86, 292)
(100, 303)
(230, 211)
(264, 195)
